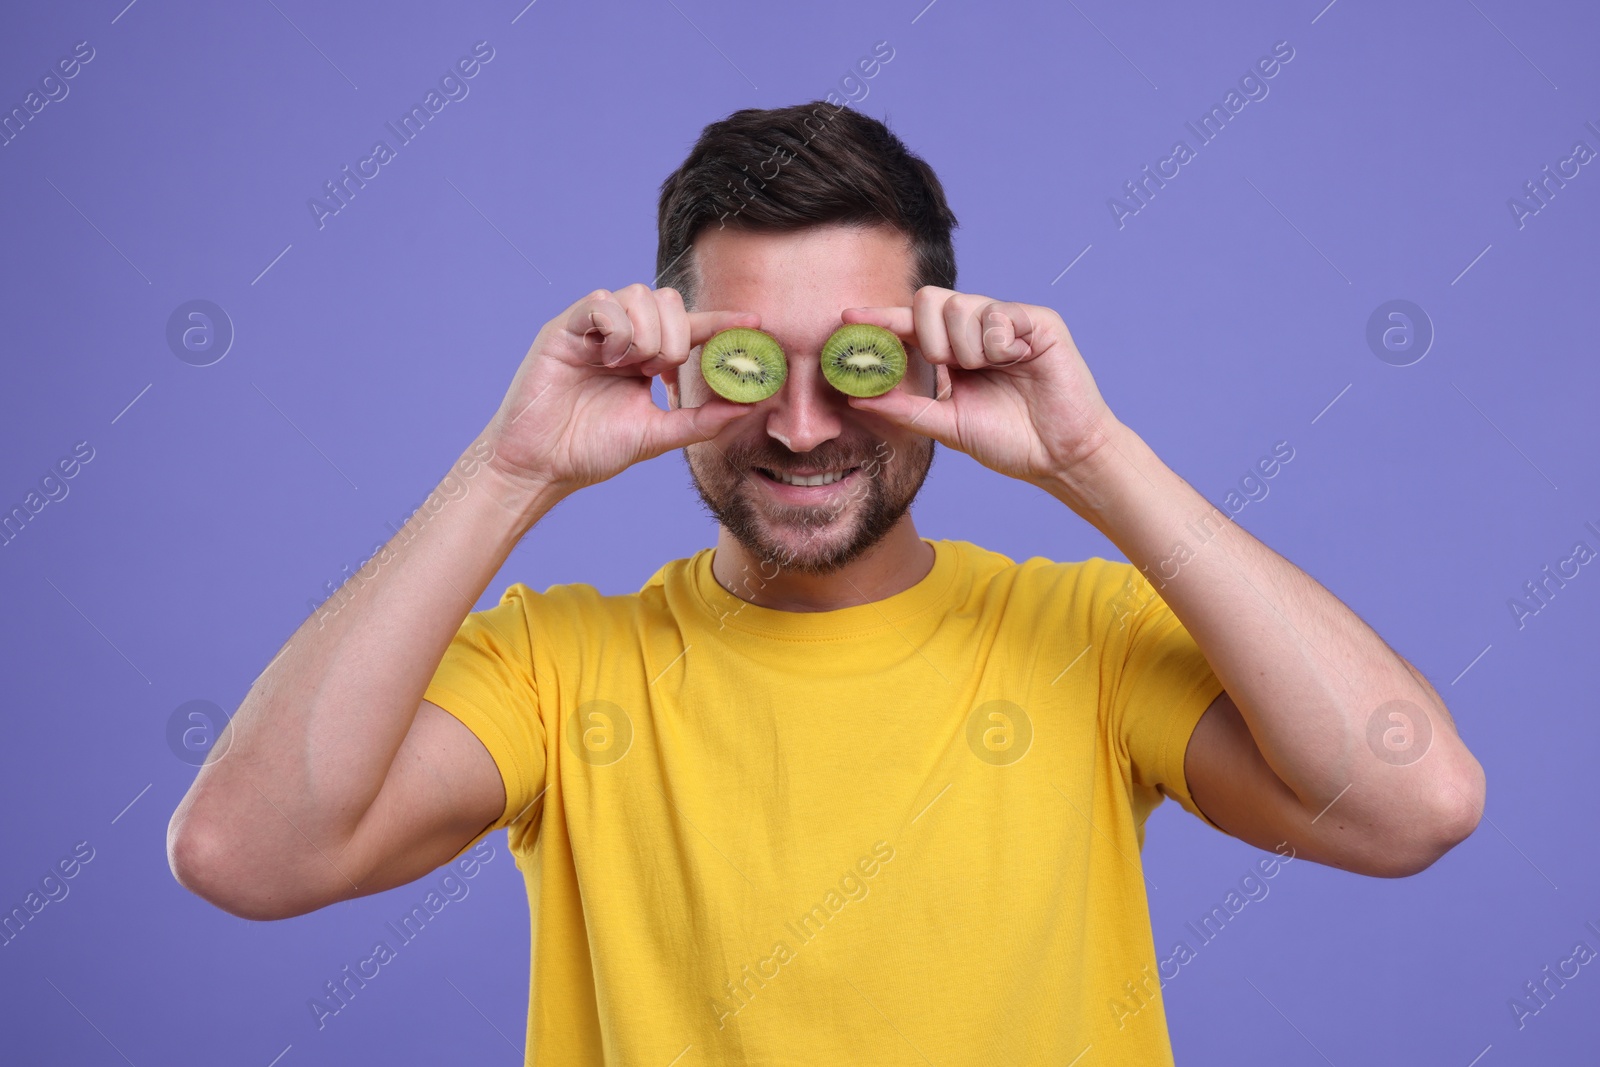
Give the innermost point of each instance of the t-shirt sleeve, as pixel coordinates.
(1161, 683)
(486, 679)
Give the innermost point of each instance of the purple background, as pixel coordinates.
(374, 348)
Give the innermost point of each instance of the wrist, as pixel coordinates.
(525, 496)
(1091, 482)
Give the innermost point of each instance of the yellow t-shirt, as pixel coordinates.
(902, 832)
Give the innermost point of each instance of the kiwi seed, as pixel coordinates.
(863, 360)
(744, 365)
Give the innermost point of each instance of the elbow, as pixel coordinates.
(1455, 815)
(205, 861)
(1459, 806)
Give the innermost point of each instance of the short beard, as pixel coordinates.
(882, 496)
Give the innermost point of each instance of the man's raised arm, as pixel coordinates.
(334, 778)
(1319, 716)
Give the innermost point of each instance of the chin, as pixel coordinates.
(808, 548)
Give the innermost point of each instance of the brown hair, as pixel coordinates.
(783, 169)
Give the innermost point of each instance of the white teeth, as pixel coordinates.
(815, 479)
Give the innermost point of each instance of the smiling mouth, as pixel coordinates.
(789, 478)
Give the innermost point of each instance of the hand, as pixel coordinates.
(579, 409)
(1013, 391)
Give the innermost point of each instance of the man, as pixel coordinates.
(828, 792)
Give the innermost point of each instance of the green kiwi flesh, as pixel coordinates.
(744, 365)
(863, 360)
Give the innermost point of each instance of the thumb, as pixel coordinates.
(676, 427)
(929, 416)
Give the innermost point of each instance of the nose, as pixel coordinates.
(807, 411)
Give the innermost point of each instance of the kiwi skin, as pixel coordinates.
(861, 359)
(744, 365)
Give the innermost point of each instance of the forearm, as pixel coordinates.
(312, 742)
(1306, 673)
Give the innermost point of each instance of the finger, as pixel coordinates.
(674, 327)
(704, 324)
(659, 365)
(680, 426)
(640, 304)
(601, 327)
(920, 322)
(966, 333)
(897, 320)
(1007, 328)
(931, 416)
(932, 337)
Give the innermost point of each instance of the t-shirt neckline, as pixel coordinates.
(735, 613)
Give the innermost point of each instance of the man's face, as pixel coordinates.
(799, 283)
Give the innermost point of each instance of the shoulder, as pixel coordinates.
(564, 606)
(1054, 600)
(1052, 577)
(586, 599)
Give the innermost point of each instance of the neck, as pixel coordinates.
(893, 565)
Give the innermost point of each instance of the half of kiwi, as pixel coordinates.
(861, 359)
(744, 364)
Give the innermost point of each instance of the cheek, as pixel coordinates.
(901, 474)
(708, 458)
